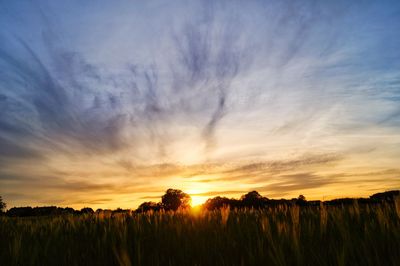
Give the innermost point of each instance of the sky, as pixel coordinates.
(107, 104)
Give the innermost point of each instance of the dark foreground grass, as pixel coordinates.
(285, 235)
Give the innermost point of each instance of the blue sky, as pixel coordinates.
(109, 103)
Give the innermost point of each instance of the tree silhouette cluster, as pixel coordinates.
(253, 200)
(45, 211)
(3, 205)
(172, 200)
(175, 199)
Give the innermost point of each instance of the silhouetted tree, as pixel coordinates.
(301, 198)
(68, 210)
(253, 199)
(119, 210)
(39, 211)
(3, 205)
(341, 201)
(46, 210)
(251, 196)
(87, 210)
(104, 212)
(220, 202)
(149, 206)
(386, 196)
(20, 211)
(174, 199)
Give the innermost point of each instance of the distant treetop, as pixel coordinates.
(174, 199)
(3, 205)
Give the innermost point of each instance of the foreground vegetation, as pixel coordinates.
(278, 235)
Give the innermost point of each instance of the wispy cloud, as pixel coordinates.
(297, 182)
(276, 95)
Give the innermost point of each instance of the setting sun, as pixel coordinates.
(197, 200)
(198, 191)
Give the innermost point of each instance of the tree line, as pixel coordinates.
(254, 200)
(175, 199)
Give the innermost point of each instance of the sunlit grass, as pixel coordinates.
(282, 235)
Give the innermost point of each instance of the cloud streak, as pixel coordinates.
(228, 94)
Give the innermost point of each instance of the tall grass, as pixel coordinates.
(283, 235)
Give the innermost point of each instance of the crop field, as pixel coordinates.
(280, 235)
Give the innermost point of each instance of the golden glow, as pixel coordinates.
(101, 183)
(198, 193)
(198, 200)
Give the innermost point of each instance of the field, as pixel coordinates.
(282, 235)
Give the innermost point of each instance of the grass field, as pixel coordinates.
(283, 235)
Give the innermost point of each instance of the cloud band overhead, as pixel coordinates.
(187, 84)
